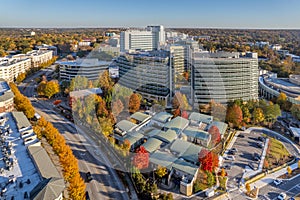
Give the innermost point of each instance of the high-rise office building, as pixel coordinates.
(159, 35)
(149, 39)
(224, 76)
(177, 53)
(148, 73)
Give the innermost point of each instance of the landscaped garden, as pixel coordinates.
(276, 155)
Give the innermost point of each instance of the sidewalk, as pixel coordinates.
(271, 177)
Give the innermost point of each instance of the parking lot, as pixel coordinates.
(246, 146)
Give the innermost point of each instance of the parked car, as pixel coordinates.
(233, 150)
(277, 182)
(227, 166)
(230, 157)
(262, 139)
(241, 135)
(259, 144)
(281, 196)
(89, 177)
(252, 166)
(87, 196)
(256, 157)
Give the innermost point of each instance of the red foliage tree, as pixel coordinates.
(215, 135)
(176, 113)
(141, 158)
(184, 114)
(234, 115)
(209, 161)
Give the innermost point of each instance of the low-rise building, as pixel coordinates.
(89, 68)
(6, 97)
(10, 68)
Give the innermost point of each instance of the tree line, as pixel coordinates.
(45, 129)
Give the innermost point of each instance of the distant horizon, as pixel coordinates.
(213, 14)
(116, 27)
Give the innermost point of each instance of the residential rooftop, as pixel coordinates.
(162, 117)
(178, 123)
(5, 92)
(139, 116)
(152, 144)
(199, 117)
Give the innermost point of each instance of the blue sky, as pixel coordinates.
(139, 13)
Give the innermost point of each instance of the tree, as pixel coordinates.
(289, 170)
(180, 101)
(295, 110)
(248, 188)
(281, 99)
(21, 77)
(134, 103)
(176, 113)
(105, 82)
(234, 115)
(141, 158)
(52, 88)
(184, 114)
(258, 115)
(271, 111)
(106, 126)
(78, 83)
(117, 107)
(41, 88)
(101, 108)
(246, 114)
(223, 172)
(186, 75)
(161, 171)
(215, 135)
(209, 160)
(126, 145)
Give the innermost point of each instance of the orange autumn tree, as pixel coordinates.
(141, 158)
(134, 103)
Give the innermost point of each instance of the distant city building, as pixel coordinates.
(86, 42)
(10, 68)
(159, 35)
(283, 52)
(6, 97)
(149, 39)
(224, 76)
(276, 47)
(89, 68)
(45, 47)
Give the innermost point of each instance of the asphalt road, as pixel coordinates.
(270, 191)
(105, 184)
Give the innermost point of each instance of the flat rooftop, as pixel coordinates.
(22, 170)
(85, 62)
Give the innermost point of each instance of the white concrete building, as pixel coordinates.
(149, 39)
(10, 68)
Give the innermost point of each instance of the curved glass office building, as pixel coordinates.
(224, 76)
(148, 73)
